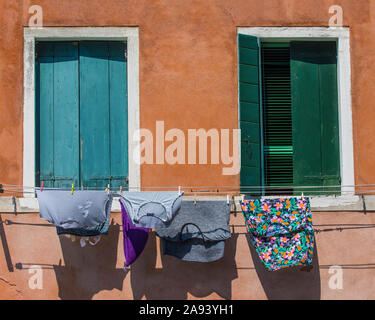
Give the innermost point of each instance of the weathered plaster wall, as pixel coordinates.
(188, 78)
(72, 272)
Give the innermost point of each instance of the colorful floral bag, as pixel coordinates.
(281, 231)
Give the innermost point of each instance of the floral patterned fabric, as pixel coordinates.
(281, 231)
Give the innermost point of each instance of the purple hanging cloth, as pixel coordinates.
(135, 238)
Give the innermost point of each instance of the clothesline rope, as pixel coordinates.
(236, 187)
(217, 192)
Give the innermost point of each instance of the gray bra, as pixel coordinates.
(151, 209)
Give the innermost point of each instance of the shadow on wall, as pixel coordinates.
(289, 283)
(90, 269)
(177, 278)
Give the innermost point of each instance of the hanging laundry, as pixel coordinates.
(281, 231)
(88, 232)
(82, 209)
(151, 209)
(198, 232)
(135, 238)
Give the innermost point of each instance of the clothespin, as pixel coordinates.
(195, 199)
(234, 205)
(72, 191)
(179, 190)
(302, 196)
(120, 189)
(107, 189)
(227, 198)
(14, 205)
(41, 187)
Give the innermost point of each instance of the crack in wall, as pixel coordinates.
(13, 286)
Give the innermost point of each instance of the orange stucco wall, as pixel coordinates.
(188, 78)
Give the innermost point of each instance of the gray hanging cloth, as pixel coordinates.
(151, 209)
(82, 209)
(198, 232)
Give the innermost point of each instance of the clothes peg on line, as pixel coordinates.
(107, 189)
(120, 190)
(303, 196)
(227, 198)
(179, 190)
(195, 199)
(41, 187)
(72, 191)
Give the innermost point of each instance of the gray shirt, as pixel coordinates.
(151, 209)
(82, 209)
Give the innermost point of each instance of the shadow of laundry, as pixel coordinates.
(177, 278)
(90, 269)
(290, 283)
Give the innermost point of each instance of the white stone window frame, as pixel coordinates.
(31, 36)
(342, 37)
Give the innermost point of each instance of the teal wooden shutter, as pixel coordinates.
(315, 114)
(57, 99)
(81, 114)
(118, 97)
(277, 115)
(103, 114)
(250, 111)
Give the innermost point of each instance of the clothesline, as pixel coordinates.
(11, 189)
(221, 187)
(6, 191)
(223, 193)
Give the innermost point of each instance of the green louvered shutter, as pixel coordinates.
(315, 114)
(250, 111)
(277, 115)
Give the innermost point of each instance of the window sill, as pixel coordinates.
(318, 203)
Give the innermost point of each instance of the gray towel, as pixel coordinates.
(198, 232)
(82, 209)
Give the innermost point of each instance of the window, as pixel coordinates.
(81, 114)
(289, 115)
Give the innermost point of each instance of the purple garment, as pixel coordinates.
(135, 238)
